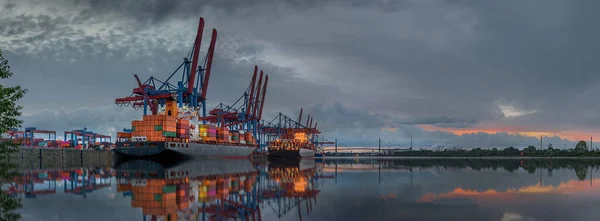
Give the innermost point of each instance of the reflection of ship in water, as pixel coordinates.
(291, 185)
(82, 181)
(219, 190)
(176, 192)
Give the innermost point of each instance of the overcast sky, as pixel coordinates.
(363, 69)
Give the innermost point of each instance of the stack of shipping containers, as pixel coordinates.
(207, 132)
(183, 128)
(223, 135)
(235, 137)
(155, 127)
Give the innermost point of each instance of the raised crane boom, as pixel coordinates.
(154, 92)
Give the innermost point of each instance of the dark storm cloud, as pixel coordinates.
(357, 66)
(337, 116)
(156, 11)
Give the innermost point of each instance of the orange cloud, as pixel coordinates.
(565, 188)
(488, 129)
(392, 129)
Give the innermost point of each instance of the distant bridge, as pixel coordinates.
(362, 149)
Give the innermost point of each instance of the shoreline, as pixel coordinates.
(424, 157)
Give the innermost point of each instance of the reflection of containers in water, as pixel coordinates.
(223, 187)
(207, 191)
(248, 185)
(153, 196)
(235, 185)
(202, 191)
(183, 193)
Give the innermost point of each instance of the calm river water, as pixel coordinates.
(367, 189)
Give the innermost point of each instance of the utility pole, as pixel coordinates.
(336, 146)
(380, 145)
(541, 146)
(411, 141)
(591, 145)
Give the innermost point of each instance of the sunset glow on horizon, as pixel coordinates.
(569, 135)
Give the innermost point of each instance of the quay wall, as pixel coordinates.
(44, 158)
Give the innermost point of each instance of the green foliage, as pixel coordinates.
(581, 147)
(580, 150)
(580, 167)
(9, 111)
(506, 152)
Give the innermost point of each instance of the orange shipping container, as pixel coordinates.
(123, 135)
(183, 205)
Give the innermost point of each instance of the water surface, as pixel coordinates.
(417, 189)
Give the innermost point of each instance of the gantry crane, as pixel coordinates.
(27, 136)
(284, 127)
(86, 137)
(154, 92)
(246, 112)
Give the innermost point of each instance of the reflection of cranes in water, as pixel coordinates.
(209, 197)
(227, 196)
(75, 181)
(290, 188)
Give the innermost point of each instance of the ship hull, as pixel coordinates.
(189, 169)
(292, 154)
(147, 149)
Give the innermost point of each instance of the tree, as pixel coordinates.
(580, 171)
(529, 151)
(581, 146)
(9, 111)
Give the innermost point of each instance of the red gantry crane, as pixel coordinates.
(154, 92)
(246, 112)
(282, 127)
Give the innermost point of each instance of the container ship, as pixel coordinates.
(167, 133)
(294, 145)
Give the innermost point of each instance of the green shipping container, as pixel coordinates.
(132, 196)
(169, 134)
(132, 128)
(169, 189)
(157, 197)
(157, 127)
